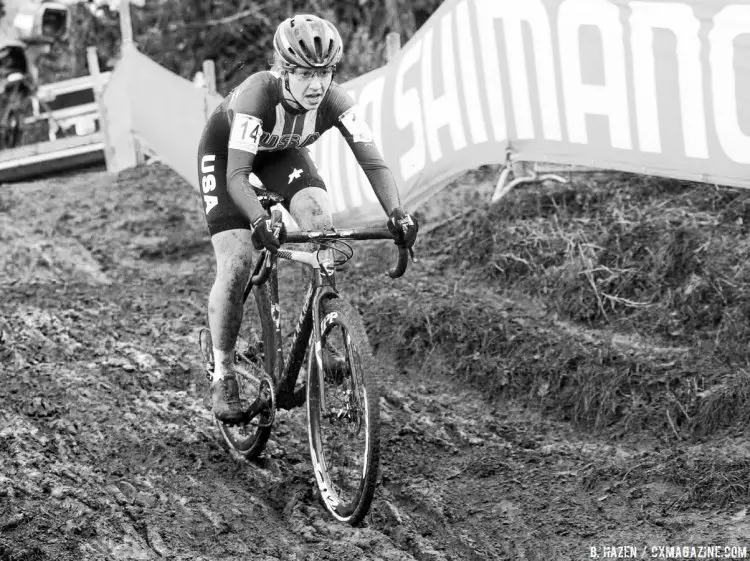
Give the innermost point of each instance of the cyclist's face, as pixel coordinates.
(309, 86)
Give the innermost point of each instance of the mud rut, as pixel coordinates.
(108, 451)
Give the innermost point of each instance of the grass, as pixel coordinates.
(707, 479)
(531, 298)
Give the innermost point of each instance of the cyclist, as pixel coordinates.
(262, 127)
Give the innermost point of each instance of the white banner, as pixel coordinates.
(658, 88)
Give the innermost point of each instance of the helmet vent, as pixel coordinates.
(304, 49)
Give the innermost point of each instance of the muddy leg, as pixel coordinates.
(233, 267)
(311, 210)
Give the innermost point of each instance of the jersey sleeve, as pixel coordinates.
(372, 163)
(349, 119)
(248, 110)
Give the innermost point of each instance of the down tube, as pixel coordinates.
(273, 285)
(300, 342)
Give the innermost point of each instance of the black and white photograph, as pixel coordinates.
(374, 280)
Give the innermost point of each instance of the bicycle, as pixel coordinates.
(343, 416)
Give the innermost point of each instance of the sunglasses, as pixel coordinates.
(307, 74)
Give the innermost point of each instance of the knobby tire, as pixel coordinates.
(253, 443)
(351, 407)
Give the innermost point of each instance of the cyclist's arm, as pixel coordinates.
(239, 167)
(378, 174)
(248, 105)
(354, 128)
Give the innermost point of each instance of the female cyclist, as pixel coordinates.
(262, 127)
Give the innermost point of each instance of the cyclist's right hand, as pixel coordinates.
(263, 236)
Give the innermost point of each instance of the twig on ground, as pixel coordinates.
(671, 424)
(448, 220)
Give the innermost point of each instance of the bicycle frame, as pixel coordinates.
(308, 324)
(322, 285)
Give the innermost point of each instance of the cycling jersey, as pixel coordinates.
(255, 121)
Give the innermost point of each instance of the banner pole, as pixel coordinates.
(393, 39)
(126, 25)
(392, 45)
(94, 70)
(209, 74)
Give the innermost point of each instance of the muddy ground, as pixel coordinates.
(108, 450)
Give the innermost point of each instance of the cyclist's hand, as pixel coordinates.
(264, 237)
(403, 226)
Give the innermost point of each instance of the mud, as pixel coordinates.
(108, 450)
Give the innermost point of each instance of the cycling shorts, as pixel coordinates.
(285, 172)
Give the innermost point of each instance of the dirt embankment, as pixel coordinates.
(563, 374)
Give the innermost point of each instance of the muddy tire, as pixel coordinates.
(256, 344)
(344, 417)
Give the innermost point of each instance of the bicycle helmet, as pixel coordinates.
(308, 41)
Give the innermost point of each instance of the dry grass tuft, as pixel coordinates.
(523, 300)
(710, 481)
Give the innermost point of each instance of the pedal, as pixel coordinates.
(264, 401)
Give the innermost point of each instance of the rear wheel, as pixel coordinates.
(254, 364)
(344, 417)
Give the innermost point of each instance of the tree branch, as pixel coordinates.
(222, 21)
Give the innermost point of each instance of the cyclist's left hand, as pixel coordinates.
(403, 226)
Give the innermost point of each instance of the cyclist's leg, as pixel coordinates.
(230, 237)
(232, 249)
(293, 175)
(310, 206)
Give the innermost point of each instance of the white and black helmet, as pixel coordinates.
(308, 41)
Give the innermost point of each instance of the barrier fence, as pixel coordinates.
(70, 105)
(659, 88)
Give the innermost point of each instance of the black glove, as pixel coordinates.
(403, 226)
(263, 237)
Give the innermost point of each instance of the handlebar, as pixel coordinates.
(357, 234)
(261, 271)
(403, 261)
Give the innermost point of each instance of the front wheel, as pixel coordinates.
(343, 414)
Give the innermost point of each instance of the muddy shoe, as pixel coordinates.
(334, 365)
(225, 399)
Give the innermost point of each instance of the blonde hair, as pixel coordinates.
(279, 65)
